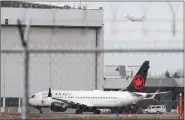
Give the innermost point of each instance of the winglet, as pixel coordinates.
(153, 96)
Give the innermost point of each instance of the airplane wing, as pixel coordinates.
(154, 94)
(124, 89)
(158, 93)
(73, 103)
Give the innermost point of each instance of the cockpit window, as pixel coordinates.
(33, 96)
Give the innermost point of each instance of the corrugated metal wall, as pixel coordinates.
(66, 71)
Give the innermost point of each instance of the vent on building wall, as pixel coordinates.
(117, 69)
(6, 21)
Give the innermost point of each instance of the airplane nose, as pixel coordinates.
(30, 101)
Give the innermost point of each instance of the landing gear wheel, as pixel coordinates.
(158, 112)
(115, 110)
(40, 110)
(97, 112)
(79, 111)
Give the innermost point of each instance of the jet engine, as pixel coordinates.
(58, 107)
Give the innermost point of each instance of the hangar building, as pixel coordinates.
(52, 27)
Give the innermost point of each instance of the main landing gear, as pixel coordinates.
(40, 110)
(96, 111)
(80, 110)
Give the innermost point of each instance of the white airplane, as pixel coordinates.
(134, 19)
(93, 101)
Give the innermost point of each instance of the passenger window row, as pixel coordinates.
(84, 97)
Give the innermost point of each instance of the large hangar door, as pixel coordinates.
(65, 71)
(62, 70)
(11, 64)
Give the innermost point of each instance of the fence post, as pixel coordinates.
(181, 107)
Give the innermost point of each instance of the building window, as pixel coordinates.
(21, 102)
(1, 102)
(12, 102)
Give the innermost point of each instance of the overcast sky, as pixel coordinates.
(154, 32)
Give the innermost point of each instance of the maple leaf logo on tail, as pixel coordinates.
(138, 82)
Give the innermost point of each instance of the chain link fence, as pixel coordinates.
(76, 63)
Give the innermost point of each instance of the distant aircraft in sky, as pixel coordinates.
(134, 19)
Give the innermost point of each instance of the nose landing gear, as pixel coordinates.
(40, 109)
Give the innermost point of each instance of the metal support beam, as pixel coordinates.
(96, 50)
(96, 64)
(184, 47)
(25, 110)
(0, 84)
(109, 0)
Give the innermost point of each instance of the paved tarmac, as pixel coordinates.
(88, 116)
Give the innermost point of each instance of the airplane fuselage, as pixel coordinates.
(89, 98)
